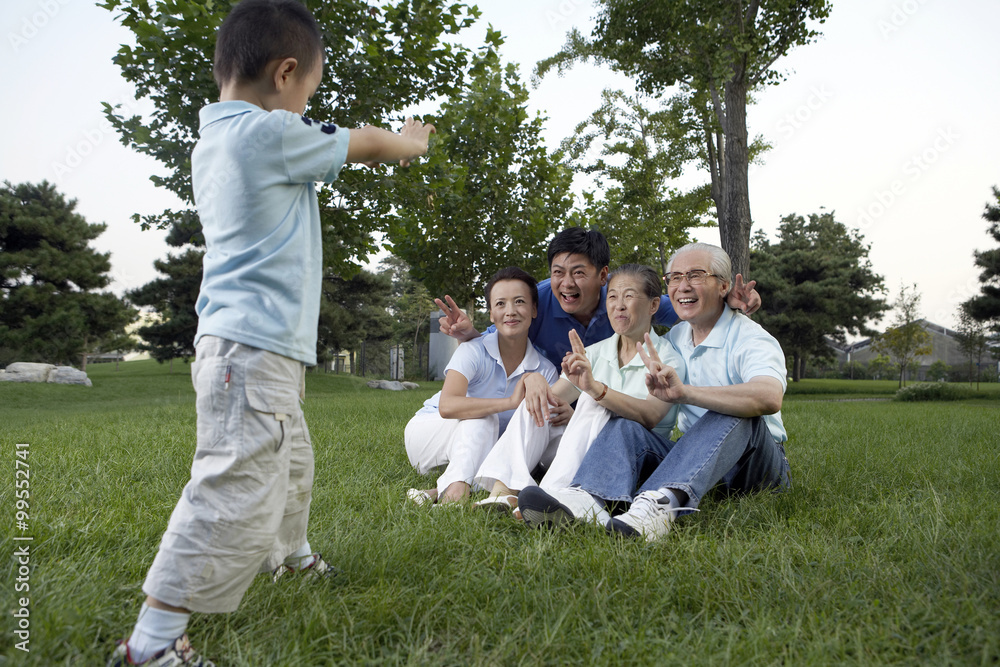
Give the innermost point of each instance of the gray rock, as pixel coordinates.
(27, 372)
(22, 371)
(411, 385)
(69, 375)
(391, 385)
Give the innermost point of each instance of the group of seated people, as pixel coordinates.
(564, 409)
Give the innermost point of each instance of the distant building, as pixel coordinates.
(944, 347)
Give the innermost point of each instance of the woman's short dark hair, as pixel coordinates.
(257, 32)
(513, 273)
(579, 241)
(650, 279)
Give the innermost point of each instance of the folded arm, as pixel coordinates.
(455, 404)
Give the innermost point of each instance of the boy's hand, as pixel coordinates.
(419, 133)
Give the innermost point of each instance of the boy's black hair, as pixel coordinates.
(513, 273)
(579, 241)
(258, 31)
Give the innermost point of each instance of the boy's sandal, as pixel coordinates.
(318, 569)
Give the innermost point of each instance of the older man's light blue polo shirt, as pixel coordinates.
(479, 361)
(253, 174)
(736, 350)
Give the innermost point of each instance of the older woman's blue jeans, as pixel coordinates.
(738, 453)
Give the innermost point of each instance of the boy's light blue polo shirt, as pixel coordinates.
(253, 173)
(630, 379)
(480, 362)
(736, 350)
(550, 330)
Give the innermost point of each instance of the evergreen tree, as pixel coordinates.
(818, 284)
(985, 307)
(51, 309)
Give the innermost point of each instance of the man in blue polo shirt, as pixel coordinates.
(573, 298)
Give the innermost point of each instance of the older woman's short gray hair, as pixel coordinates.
(719, 264)
(649, 278)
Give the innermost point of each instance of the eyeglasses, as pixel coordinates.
(696, 277)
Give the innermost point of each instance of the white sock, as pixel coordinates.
(672, 497)
(301, 558)
(155, 630)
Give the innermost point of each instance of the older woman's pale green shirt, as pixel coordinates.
(631, 378)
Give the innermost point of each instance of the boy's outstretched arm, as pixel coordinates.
(371, 144)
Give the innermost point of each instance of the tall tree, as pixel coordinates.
(641, 152)
(985, 307)
(719, 52)
(818, 284)
(906, 339)
(51, 309)
(488, 196)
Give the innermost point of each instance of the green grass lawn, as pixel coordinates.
(886, 551)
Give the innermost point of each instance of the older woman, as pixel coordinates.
(730, 400)
(606, 379)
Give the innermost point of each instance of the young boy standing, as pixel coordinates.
(246, 506)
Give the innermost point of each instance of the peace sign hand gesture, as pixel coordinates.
(662, 381)
(455, 322)
(743, 296)
(577, 367)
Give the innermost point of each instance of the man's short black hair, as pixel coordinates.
(579, 241)
(257, 32)
(513, 273)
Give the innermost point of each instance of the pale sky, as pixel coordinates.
(889, 120)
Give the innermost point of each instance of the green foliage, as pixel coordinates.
(353, 310)
(173, 298)
(938, 371)
(379, 60)
(410, 303)
(879, 366)
(906, 339)
(973, 336)
(985, 307)
(718, 52)
(817, 283)
(643, 217)
(933, 391)
(50, 309)
(487, 196)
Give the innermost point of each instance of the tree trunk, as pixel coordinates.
(796, 367)
(734, 219)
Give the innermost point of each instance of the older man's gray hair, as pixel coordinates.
(719, 264)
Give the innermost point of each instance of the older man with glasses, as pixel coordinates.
(730, 402)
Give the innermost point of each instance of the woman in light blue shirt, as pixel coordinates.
(483, 385)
